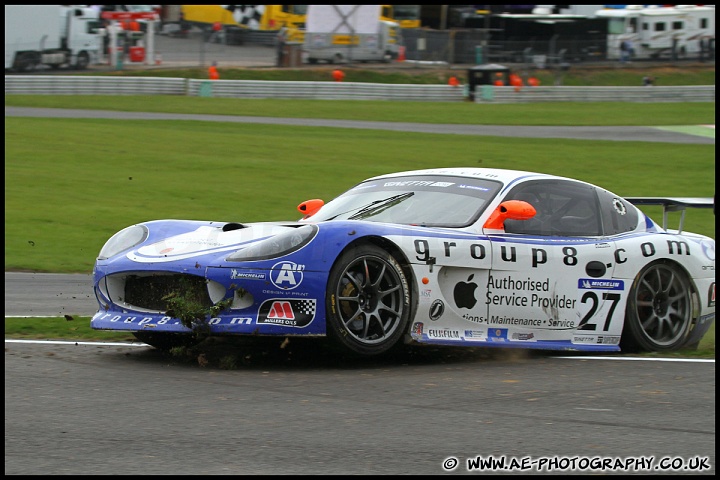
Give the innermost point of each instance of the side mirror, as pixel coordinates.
(310, 207)
(511, 209)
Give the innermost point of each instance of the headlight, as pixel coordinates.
(124, 239)
(276, 246)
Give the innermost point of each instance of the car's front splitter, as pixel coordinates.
(275, 317)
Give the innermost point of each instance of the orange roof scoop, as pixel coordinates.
(511, 209)
(310, 207)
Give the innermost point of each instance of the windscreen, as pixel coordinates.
(438, 201)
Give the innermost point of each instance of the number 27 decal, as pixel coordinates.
(592, 297)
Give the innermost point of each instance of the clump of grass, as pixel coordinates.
(186, 305)
(229, 362)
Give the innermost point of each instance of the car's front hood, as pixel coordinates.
(213, 239)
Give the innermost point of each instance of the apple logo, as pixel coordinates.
(464, 293)
(436, 309)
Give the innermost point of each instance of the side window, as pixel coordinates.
(633, 25)
(619, 215)
(564, 208)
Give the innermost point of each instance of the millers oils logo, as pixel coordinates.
(288, 313)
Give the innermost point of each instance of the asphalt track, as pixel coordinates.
(670, 134)
(89, 408)
(48, 295)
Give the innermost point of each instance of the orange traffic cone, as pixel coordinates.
(401, 54)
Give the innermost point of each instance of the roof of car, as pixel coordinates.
(500, 174)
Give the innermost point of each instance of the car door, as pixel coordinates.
(551, 276)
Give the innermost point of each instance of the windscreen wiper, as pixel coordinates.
(379, 205)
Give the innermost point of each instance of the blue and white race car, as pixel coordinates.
(454, 256)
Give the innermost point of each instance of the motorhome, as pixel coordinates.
(659, 32)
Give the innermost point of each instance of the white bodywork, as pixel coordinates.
(492, 287)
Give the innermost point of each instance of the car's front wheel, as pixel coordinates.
(659, 310)
(367, 303)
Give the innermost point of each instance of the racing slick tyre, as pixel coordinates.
(659, 310)
(167, 341)
(368, 301)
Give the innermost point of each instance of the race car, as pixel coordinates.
(471, 257)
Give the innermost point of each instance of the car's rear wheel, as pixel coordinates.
(367, 301)
(659, 310)
(166, 341)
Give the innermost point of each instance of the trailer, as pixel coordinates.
(237, 20)
(678, 32)
(52, 35)
(349, 33)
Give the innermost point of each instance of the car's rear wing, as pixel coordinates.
(674, 204)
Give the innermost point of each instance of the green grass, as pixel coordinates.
(560, 114)
(58, 328)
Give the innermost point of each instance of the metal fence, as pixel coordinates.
(325, 90)
(103, 85)
(89, 85)
(425, 45)
(477, 46)
(472, 46)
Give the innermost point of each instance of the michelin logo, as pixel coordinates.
(235, 275)
(595, 284)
